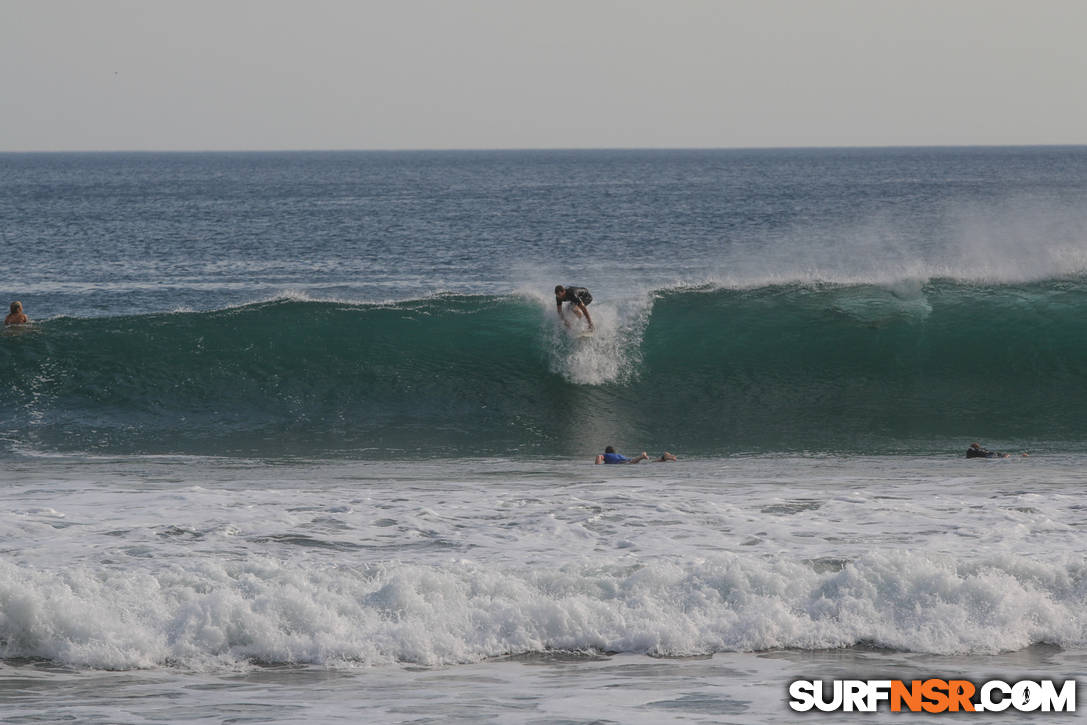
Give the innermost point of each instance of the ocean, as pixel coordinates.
(300, 437)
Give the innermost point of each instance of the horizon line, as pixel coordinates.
(523, 149)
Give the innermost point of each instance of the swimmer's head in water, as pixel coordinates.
(16, 307)
(610, 449)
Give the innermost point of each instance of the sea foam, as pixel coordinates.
(215, 615)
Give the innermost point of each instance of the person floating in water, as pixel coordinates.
(610, 456)
(16, 316)
(976, 451)
(579, 299)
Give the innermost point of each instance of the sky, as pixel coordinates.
(489, 74)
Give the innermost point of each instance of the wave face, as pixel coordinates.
(833, 368)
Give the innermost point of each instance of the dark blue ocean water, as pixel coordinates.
(397, 303)
(107, 234)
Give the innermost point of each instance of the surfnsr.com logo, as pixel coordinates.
(933, 695)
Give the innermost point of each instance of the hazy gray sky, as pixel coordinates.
(404, 74)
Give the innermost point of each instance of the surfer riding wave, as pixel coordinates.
(578, 299)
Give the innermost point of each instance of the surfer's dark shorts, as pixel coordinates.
(584, 299)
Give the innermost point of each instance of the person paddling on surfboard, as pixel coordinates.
(579, 299)
(976, 451)
(610, 456)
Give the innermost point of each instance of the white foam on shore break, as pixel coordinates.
(215, 615)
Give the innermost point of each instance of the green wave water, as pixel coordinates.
(913, 367)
